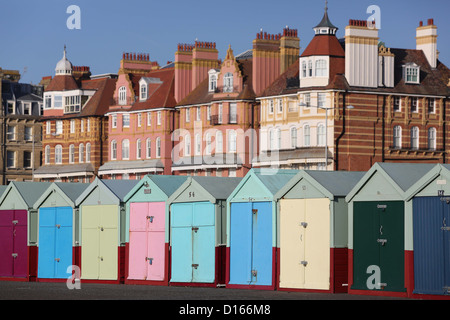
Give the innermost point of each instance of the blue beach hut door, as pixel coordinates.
(55, 242)
(193, 242)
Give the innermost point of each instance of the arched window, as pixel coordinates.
(397, 136)
(432, 139)
(271, 140)
(293, 137)
(81, 153)
(321, 68)
(232, 140)
(321, 139)
(198, 144)
(113, 150)
(187, 145)
(228, 82)
(306, 136)
(219, 141)
(58, 154)
(71, 153)
(47, 155)
(138, 148)
(278, 146)
(208, 143)
(88, 152)
(158, 147)
(415, 138)
(122, 95)
(149, 148)
(125, 149)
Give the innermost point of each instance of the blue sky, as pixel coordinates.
(34, 32)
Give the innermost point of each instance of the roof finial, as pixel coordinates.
(326, 5)
(64, 50)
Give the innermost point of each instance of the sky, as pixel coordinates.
(34, 32)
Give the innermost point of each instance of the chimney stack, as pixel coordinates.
(361, 54)
(426, 40)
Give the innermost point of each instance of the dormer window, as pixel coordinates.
(228, 82)
(412, 73)
(122, 95)
(213, 73)
(143, 91)
(212, 82)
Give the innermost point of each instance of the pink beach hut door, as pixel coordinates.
(146, 254)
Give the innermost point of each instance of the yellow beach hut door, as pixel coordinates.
(99, 236)
(305, 244)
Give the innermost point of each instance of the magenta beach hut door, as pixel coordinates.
(13, 243)
(147, 239)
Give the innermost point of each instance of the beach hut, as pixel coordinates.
(251, 226)
(313, 238)
(18, 230)
(430, 197)
(197, 230)
(58, 242)
(147, 242)
(102, 224)
(380, 233)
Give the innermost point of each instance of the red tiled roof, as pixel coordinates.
(62, 83)
(161, 97)
(324, 45)
(99, 103)
(201, 93)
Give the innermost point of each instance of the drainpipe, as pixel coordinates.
(338, 139)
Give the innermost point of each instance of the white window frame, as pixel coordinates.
(158, 118)
(138, 149)
(88, 152)
(125, 149)
(122, 95)
(72, 126)
(149, 119)
(306, 135)
(415, 138)
(158, 147)
(59, 127)
(143, 91)
(397, 137)
(113, 150)
(81, 153)
(47, 154)
(125, 120)
(293, 132)
(72, 153)
(432, 138)
(114, 120)
(58, 154)
(148, 147)
(219, 142)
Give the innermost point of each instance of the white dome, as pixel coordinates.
(64, 66)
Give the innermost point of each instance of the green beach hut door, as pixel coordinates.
(378, 246)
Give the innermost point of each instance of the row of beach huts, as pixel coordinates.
(381, 232)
